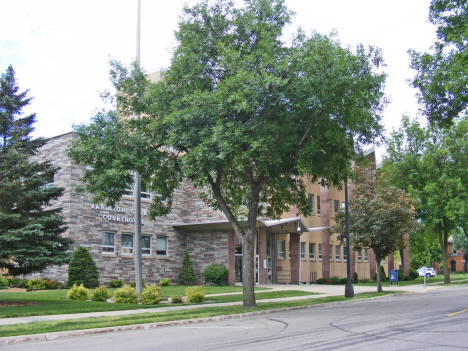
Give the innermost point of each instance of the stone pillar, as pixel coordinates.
(372, 264)
(262, 253)
(231, 258)
(325, 222)
(295, 260)
(405, 257)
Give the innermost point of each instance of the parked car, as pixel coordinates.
(430, 272)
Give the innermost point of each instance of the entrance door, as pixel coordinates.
(238, 269)
(453, 267)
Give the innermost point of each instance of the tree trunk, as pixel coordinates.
(248, 268)
(443, 239)
(379, 276)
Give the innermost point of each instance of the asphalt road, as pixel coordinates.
(434, 320)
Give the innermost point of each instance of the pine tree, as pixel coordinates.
(30, 230)
(82, 269)
(187, 274)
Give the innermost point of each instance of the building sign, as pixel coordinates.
(119, 213)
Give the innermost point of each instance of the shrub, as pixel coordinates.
(383, 276)
(320, 281)
(406, 278)
(82, 269)
(459, 272)
(132, 284)
(177, 299)
(125, 294)
(344, 281)
(151, 295)
(14, 281)
(36, 283)
(355, 278)
(364, 280)
(195, 294)
(116, 283)
(100, 294)
(51, 284)
(187, 274)
(335, 280)
(165, 282)
(413, 273)
(215, 273)
(78, 293)
(401, 274)
(4, 283)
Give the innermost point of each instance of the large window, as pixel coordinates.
(336, 206)
(108, 243)
(146, 245)
(337, 252)
(311, 251)
(311, 203)
(318, 205)
(359, 255)
(127, 244)
(331, 252)
(366, 255)
(280, 249)
(320, 252)
(303, 251)
(161, 245)
(345, 254)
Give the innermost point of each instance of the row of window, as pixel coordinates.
(315, 200)
(127, 244)
(281, 244)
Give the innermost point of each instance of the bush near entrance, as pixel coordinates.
(216, 273)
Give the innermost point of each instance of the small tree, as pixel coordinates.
(187, 274)
(82, 269)
(379, 216)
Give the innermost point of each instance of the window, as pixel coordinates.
(345, 254)
(359, 255)
(108, 243)
(50, 181)
(383, 260)
(146, 245)
(303, 251)
(320, 252)
(366, 255)
(311, 203)
(280, 249)
(454, 251)
(143, 191)
(127, 244)
(331, 252)
(311, 251)
(161, 245)
(343, 206)
(318, 205)
(337, 252)
(336, 206)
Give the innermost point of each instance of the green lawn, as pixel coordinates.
(55, 302)
(454, 278)
(260, 295)
(101, 322)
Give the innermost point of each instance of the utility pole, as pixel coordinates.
(137, 187)
(349, 289)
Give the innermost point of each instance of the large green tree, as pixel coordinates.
(379, 216)
(442, 74)
(30, 231)
(424, 248)
(241, 115)
(431, 164)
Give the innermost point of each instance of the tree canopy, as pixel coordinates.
(441, 75)
(30, 230)
(379, 215)
(430, 163)
(241, 115)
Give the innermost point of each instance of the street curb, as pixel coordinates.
(9, 340)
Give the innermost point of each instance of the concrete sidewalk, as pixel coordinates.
(322, 290)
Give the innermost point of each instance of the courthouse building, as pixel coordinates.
(284, 254)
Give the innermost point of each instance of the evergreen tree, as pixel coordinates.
(187, 274)
(82, 269)
(30, 230)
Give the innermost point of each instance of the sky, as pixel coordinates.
(60, 50)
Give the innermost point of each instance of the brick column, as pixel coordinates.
(295, 260)
(405, 257)
(231, 258)
(372, 263)
(353, 260)
(325, 222)
(262, 247)
(391, 263)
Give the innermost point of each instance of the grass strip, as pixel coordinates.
(175, 315)
(261, 295)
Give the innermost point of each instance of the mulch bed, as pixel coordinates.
(17, 303)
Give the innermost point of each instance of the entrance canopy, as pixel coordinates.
(276, 226)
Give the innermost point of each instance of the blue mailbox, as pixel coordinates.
(393, 277)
